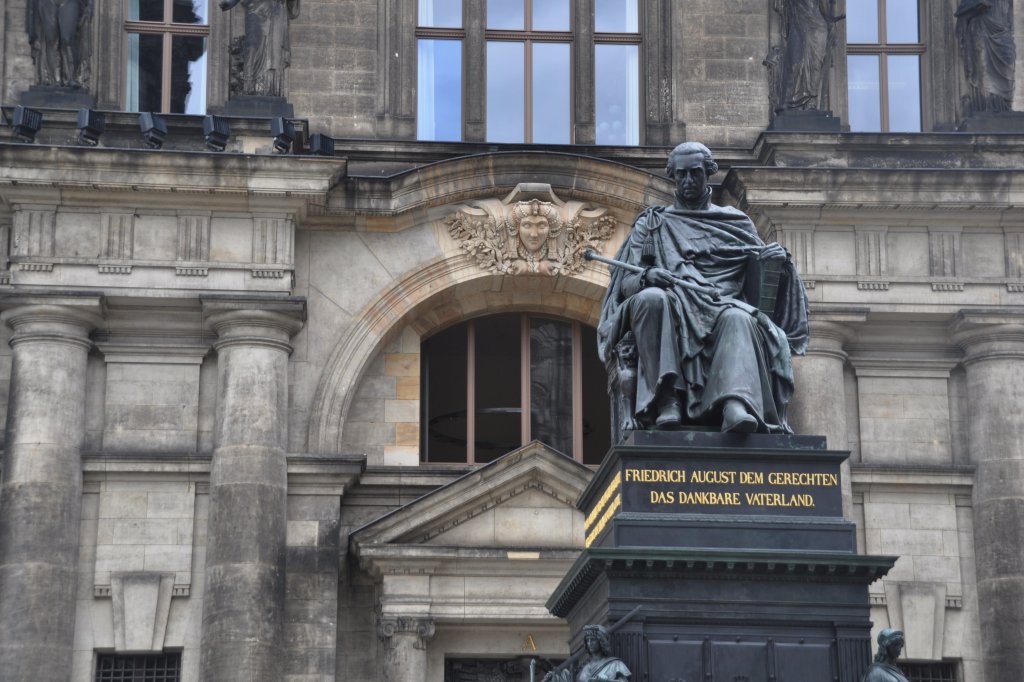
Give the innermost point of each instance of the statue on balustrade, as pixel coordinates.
(890, 644)
(701, 317)
(985, 31)
(59, 39)
(266, 51)
(599, 665)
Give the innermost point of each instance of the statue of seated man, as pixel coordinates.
(702, 360)
(890, 644)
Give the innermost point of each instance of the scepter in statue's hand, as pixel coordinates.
(590, 254)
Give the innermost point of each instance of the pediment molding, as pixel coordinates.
(534, 467)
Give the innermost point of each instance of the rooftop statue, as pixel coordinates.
(266, 52)
(58, 35)
(685, 329)
(985, 31)
(890, 644)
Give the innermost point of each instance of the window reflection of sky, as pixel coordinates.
(865, 102)
(617, 94)
(904, 93)
(439, 91)
(440, 13)
(862, 21)
(505, 88)
(551, 93)
(616, 16)
(505, 14)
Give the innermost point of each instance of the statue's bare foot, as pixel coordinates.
(736, 419)
(670, 413)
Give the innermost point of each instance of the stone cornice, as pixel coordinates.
(989, 334)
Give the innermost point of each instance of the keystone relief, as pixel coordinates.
(531, 231)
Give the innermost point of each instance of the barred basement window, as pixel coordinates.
(164, 667)
(932, 671)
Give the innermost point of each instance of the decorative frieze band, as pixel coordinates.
(119, 236)
(194, 237)
(34, 229)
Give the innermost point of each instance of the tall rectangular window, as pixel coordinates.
(617, 71)
(166, 68)
(884, 49)
(522, 57)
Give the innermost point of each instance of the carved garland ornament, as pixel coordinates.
(530, 232)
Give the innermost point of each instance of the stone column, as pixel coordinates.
(41, 494)
(993, 362)
(405, 647)
(243, 601)
(819, 403)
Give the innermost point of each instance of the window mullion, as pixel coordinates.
(165, 74)
(883, 87)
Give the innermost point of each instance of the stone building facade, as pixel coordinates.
(215, 369)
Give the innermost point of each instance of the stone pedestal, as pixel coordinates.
(243, 603)
(1004, 122)
(405, 648)
(57, 97)
(994, 367)
(41, 496)
(806, 121)
(254, 106)
(736, 550)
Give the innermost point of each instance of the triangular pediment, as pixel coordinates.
(525, 499)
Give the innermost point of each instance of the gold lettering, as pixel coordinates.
(655, 475)
(659, 497)
(779, 500)
(708, 497)
(803, 479)
(751, 478)
(713, 477)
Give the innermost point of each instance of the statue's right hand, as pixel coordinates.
(658, 277)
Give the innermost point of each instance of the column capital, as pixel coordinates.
(420, 627)
(989, 335)
(59, 322)
(832, 329)
(254, 322)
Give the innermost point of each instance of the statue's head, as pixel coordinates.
(690, 165)
(890, 644)
(596, 640)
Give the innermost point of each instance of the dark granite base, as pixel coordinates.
(253, 106)
(717, 439)
(1007, 122)
(806, 121)
(57, 97)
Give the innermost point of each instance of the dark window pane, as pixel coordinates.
(596, 406)
(865, 100)
(505, 14)
(505, 94)
(617, 94)
(550, 15)
(444, 395)
(189, 11)
(551, 383)
(188, 75)
(498, 394)
(904, 93)
(901, 21)
(440, 13)
(862, 21)
(439, 91)
(146, 10)
(616, 16)
(148, 668)
(551, 93)
(145, 66)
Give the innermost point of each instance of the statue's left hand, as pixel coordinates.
(773, 251)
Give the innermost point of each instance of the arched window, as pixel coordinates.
(497, 382)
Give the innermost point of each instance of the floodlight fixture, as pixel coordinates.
(91, 124)
(216, 132)
(26, 123)
(154, 129)
(283, 132)
(321, 145)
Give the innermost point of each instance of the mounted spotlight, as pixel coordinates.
(154, 129)
(283, 132)
(321, 145)
(26, 123)
(91, 125)
(216, 131)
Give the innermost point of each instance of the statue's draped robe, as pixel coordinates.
(986, 39)
(267, 47)
(883, 672)
(708, 350)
